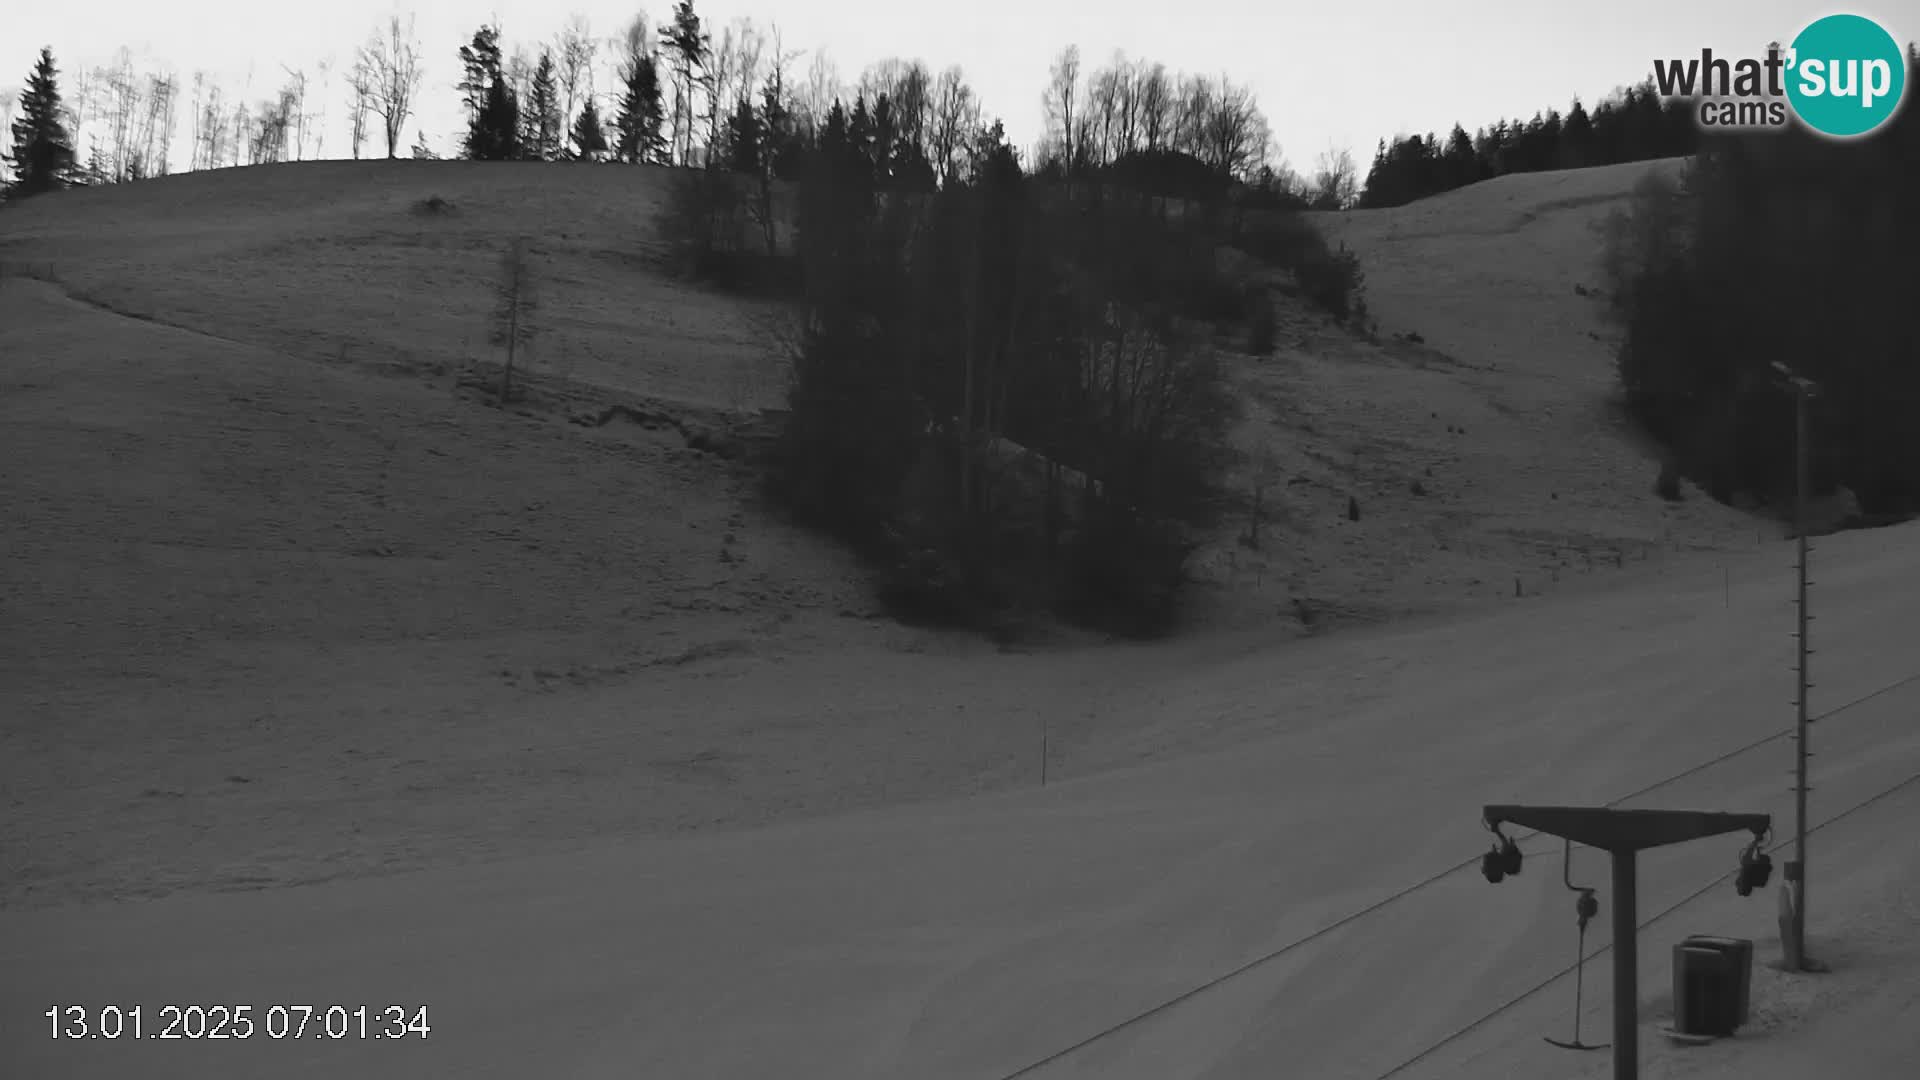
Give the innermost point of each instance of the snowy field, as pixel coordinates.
(974, 937)
(323, 685)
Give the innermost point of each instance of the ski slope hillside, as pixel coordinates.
(283, 592)
(1523, 471)
(1504, 272)
(975, 937)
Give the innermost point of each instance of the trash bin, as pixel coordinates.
(1742, 953)
(1712, 985)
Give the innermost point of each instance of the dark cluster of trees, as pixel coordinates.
(679, 96)
(678, 99)
(1002, 393)
(1006, 386)
(1634, 124)
(525, 119)
(1133, 109)
(687, 96)
(1779, 247)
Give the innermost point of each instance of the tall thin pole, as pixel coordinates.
(1796, 876)
(1797, 961)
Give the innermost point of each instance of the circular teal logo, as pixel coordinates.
(1845, 75)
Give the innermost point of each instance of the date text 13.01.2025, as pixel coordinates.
(237, 1021)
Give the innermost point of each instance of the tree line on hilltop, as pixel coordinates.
(676, 94)
(683, 92)
(1635, 124)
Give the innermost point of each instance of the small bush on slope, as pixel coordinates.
(1331, 280)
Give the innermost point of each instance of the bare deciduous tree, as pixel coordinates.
(325, 68)
(1336, 180)
(777, 112)
(1104, 95)
(749, 53)
(780, 64)
(611, 56)
(360, 82)
(732, 68)
(120, 101)
(822, 87)
(956, 116)
(575, 49)
(519, 74)
(392, 58)
(210, 119)
(1061, 100)
(1236, 138)
(1132, 78)
(242, 131)
(8, 100)
(163, 115)
(267, 134)
(199, 118)
(720, 77)
(77, 107)
(1156, 106)
(140, 131)
(1192, 104)
(909, 88)
(296, 92)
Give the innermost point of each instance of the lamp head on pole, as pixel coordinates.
(1799, 384)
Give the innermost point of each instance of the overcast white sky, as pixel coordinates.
(1340, 72)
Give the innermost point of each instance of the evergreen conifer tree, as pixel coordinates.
(589, 138)
(42, 156)
(543, 109)
(636, 123)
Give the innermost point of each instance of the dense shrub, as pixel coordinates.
(1331, 280)
(1283, 239)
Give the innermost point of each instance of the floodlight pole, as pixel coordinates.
(1795, 878)
(1798, 877)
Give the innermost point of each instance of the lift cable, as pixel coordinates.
(1416, 887)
